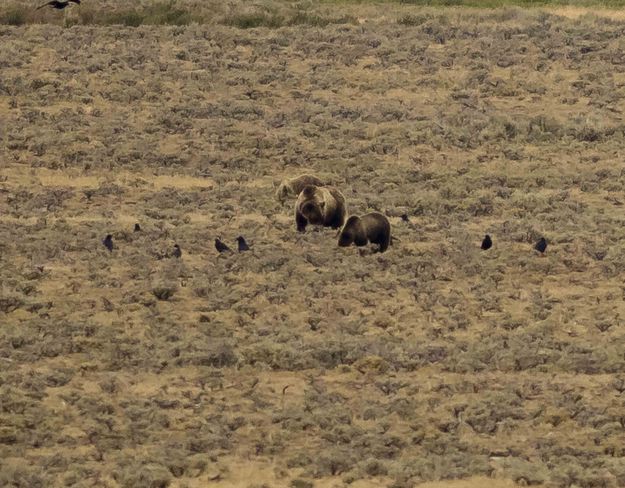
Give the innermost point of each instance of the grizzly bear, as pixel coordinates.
(372, 227)
(320, 206)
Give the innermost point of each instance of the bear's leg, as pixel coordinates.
(301, 222)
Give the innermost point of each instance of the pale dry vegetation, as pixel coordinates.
(302, 364)
(272, 14)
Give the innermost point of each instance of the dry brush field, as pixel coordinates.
(303, 364)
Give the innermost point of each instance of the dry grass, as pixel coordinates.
(304, 364)
(272, 14)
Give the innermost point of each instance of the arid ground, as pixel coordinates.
(301, 364)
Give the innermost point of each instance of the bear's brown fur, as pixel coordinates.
(293, 187)
(320, 206)
(372, 227)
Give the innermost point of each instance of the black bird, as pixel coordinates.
(59, 4)
(137, 228)
(541, 245)
(220, 246)
(177, 253)
(404, 217)
(242, 244)
(487, 243)
(108, 242)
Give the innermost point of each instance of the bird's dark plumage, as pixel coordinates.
(108, 242)
(487, 243)
(541, 245)
(220, 246)
(177, 252)
(137, 228)
(242, 244)
(59, 4)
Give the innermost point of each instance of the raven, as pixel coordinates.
(59, 4)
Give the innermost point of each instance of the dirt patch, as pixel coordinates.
(576, 12)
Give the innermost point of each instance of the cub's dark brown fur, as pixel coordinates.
(372, 227)
(320, 206)
(294, 186)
